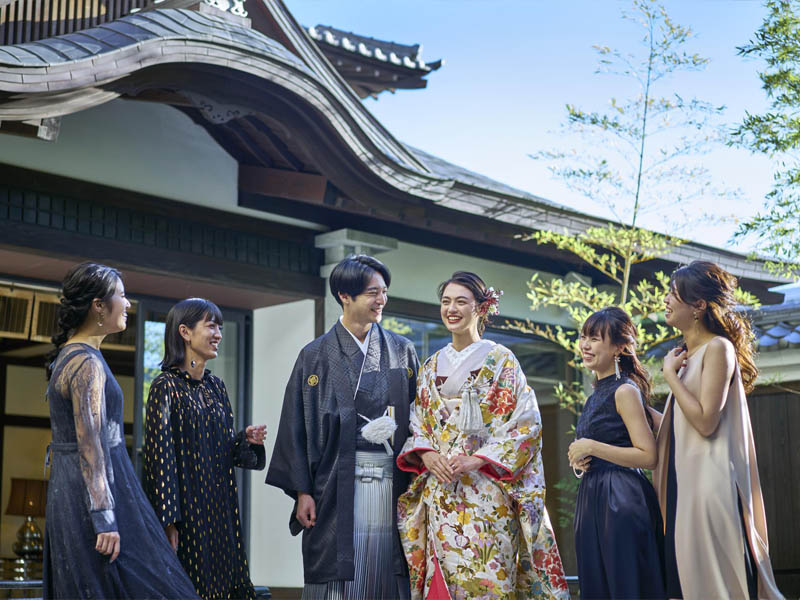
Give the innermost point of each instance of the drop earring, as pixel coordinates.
(100, 321)
(694, 315)
(193, 363)
(616, 365)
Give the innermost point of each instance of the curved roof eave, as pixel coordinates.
(65, 74)
(315, 59)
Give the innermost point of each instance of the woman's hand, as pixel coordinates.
(172, 535)
(438, 465)
(306, 510)
(582, 465)
(673, 361)
(413, 458)
(578, 451)
(462, 464)
(255, 434)
(108, 543)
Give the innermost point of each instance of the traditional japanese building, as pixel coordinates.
(224, 151)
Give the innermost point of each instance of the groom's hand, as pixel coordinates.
(306, 510)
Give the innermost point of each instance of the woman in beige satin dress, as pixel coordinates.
(707, 477)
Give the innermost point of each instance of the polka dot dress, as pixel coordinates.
(190, 451)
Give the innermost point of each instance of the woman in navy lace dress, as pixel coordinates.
(102, 539)
(618, 526)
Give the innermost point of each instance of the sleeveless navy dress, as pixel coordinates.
(619, 536)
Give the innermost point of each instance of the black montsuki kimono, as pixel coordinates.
(316, 442)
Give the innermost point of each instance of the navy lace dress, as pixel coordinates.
(618, 527)
(93, 489)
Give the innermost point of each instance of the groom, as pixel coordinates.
(346, 485)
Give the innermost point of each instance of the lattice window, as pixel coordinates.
(15, 312)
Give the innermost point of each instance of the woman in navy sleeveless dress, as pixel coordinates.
(618, 526)
(102, 538)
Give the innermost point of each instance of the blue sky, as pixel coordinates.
(512, 65)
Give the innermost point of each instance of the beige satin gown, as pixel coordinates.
(709, 543)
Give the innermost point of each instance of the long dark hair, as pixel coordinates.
(82, 284)
(475, 285)
(704, 280)
(187, 312)
(615, 325)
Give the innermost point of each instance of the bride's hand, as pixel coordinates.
(462, 464)
(438, 465)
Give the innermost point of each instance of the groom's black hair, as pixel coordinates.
(351, 276)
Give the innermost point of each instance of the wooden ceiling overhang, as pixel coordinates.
(306, 144)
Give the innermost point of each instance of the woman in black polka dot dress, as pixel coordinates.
(190, 451)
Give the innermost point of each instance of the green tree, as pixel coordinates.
(776, 133)
(637, 155)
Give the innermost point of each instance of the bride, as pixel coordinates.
(473, 523)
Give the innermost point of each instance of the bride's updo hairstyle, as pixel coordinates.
(478, 288)
(704, 280)
(82, 284)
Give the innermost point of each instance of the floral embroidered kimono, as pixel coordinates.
(488, 534)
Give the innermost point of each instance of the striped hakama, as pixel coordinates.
(373, 533)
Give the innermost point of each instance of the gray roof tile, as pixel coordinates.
(399, 55)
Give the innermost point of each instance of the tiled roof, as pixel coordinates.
(132, 33)
(399, 55)
(82, 64)
(777, 326)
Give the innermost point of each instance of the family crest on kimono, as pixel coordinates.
(190, 451)
(344, 420)
(473, 523)
(102, 539)
(619, 537)
(707, 476)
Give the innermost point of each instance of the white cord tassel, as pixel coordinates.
(470, 418)
(380, 430)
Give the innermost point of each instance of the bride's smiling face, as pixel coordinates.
(459, 309)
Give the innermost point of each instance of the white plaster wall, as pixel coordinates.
(279, 333)
(417, 271)
(139, 146)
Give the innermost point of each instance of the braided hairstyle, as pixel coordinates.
(81, 286)
(478, 288)
(704, 280)
(615, 325)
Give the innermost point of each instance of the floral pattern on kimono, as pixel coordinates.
(489, 531)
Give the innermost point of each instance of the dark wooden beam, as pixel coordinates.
(251, 144)
(145, 259)
(43, 129)
(277, 183)
(277, 143)
(58, 185)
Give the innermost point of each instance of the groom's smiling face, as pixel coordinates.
(367, 307)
